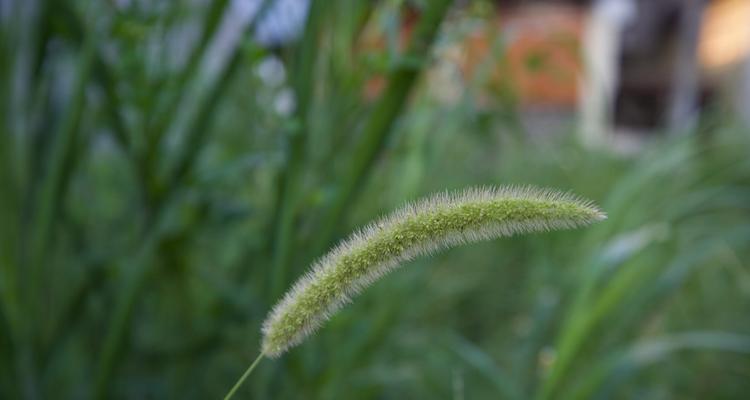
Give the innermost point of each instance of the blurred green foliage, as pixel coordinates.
(153, 209)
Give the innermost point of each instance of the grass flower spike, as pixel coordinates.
(438, 222)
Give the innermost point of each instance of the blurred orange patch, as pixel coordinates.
(540, 60)
(543, 51)
(725, 34)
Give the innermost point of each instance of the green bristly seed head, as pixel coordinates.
(438, 222)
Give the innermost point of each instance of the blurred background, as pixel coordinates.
(168, 168)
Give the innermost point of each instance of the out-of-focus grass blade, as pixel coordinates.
(482, 363)
(678, 271)
(583, 316)
(608, 375)
(633, 281)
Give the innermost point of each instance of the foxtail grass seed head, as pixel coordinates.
(441, 221)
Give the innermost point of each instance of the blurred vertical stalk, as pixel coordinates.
(160, 121)
(199, 121)
(118, 326)
(47, 204)
(103, 75)
(401, 81)
(9, 220)
(198, 130)
(57, 171)
(113, 107)
(288, 186)
(684, 96)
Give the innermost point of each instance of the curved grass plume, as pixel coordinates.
(438, 222)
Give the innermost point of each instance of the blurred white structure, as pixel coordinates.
(743, 99)
(683, 107)
(281, 23)
(653, 65)
(602, 44)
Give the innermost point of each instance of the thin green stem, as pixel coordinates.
(243, 377)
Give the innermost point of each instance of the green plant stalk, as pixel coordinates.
(200, 124)
(137, 272)
(157, 129)
(73, 311)
(58, 168)
(135, 280)
(9, 218)
(120, 129)
(17, 359)
(113, 106)
(103, 75)
(302, 78)
(50, 198)
(201, 121)
(9, 378)
(375, 132)
(283, 221)
(439, 222)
